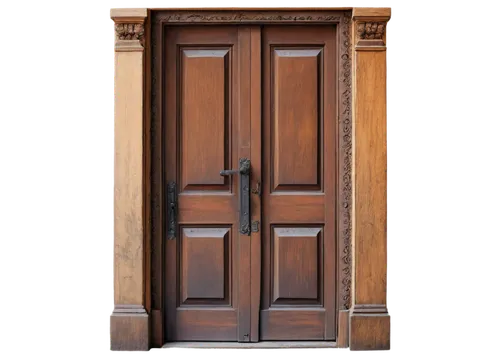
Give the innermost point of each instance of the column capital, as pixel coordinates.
(129, 28)
(369, 28)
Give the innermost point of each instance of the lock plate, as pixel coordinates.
(255, 226)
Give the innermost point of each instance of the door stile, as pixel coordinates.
(243, 151)
(256, 179)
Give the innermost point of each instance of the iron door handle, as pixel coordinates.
(244, 174)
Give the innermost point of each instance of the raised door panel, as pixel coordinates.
(204, 86)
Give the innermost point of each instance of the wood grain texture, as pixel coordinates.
(256, 178)
(370, 323)
(370, 332)
(205, 78)
(297, 75)
(205, 256)
(297, 263)
(156, 328)
(118, 14)
(129, 332)
(292, 324)
(343, 334)
(206, 325)
(371, 12)
(370, 179)
(203, 117)
(243, 131)
(299, 72)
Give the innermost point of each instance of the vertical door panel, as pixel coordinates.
(203, 117)
(298, 231)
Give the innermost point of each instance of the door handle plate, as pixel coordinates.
(245, 196)
(244, 174)
(172, 210)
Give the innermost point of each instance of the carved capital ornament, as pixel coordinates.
(370, 33)
(126, 31)
(129, 29)
(370, 30)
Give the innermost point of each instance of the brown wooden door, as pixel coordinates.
(298, 218)
(207, 130)
(279, 282)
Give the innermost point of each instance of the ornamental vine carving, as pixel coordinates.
(244, 17)
(129, 31)
(345, 127)
(370, 30)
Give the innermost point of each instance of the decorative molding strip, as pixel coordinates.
(345, 141)
(373, 13)
(129, 309)
(156, 165)
(369, 309)
(125, 14)
(242, 17)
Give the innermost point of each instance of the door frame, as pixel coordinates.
(137, 322)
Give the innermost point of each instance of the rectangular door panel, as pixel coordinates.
(298, 192)
(204, 118)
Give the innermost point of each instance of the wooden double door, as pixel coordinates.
(251, 255)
